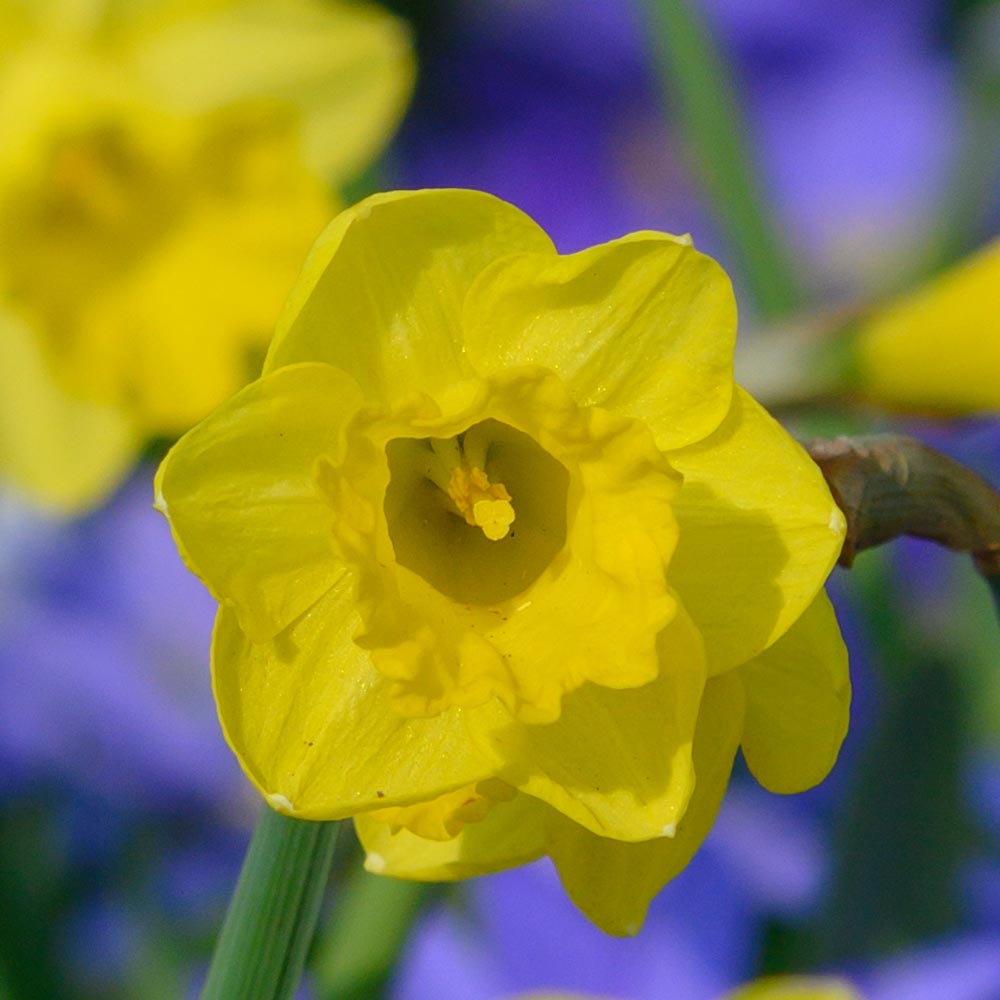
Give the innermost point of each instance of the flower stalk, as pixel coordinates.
(890, 485)
(272, 916)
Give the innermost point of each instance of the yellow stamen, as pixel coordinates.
(494, 517)
(483, 504)
(457, 471)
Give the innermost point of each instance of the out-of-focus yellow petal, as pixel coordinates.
(68, 451)
(381, 293)
(346, 67)
(798, 695)
(512, 834)
(177, 356)
(644, 326)
(795, 988)
(166, 165)
(59, 17)
(616, 762)
(613, 882)
(311, 722)
(15, 23)
(938, 348)
(238, 491)
(759, 533)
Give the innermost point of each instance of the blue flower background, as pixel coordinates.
(123, 818)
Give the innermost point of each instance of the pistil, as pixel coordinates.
(481, 503)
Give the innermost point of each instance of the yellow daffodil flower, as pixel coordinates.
(164, 167)
(938, 348)
(507, 564)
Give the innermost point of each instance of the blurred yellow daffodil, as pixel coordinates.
(938, 348)
(508, 566)
(164, 167)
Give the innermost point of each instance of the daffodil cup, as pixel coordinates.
(507, 564)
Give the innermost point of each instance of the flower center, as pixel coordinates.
(451, 516)
(479, 502)
(511, 544)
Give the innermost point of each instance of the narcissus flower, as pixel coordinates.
(508, 566)
(938, 347)
(165, 167)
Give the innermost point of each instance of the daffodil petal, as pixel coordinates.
(613, 882)
(238, 490)
(311, 721)
(66, 452)
(15, 22)
(446, 816)
(759, 533)
(237, 261)
(513, 833)
(938, 347)
(644, 326)
(381, 293)
(64, 18)
(617, 762)
(798, 695)
(348, 68)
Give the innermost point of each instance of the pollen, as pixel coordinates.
(494, 517)
(483, 504)
(457, 470)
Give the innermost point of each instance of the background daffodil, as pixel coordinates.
(937, 348)
(508, 565)
(165, 167)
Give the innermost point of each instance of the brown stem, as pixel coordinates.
(889, 485)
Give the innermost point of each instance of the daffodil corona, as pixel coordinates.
(165, 167)
(507, 564)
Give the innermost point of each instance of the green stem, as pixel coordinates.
(272, 916)
(699, 90)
